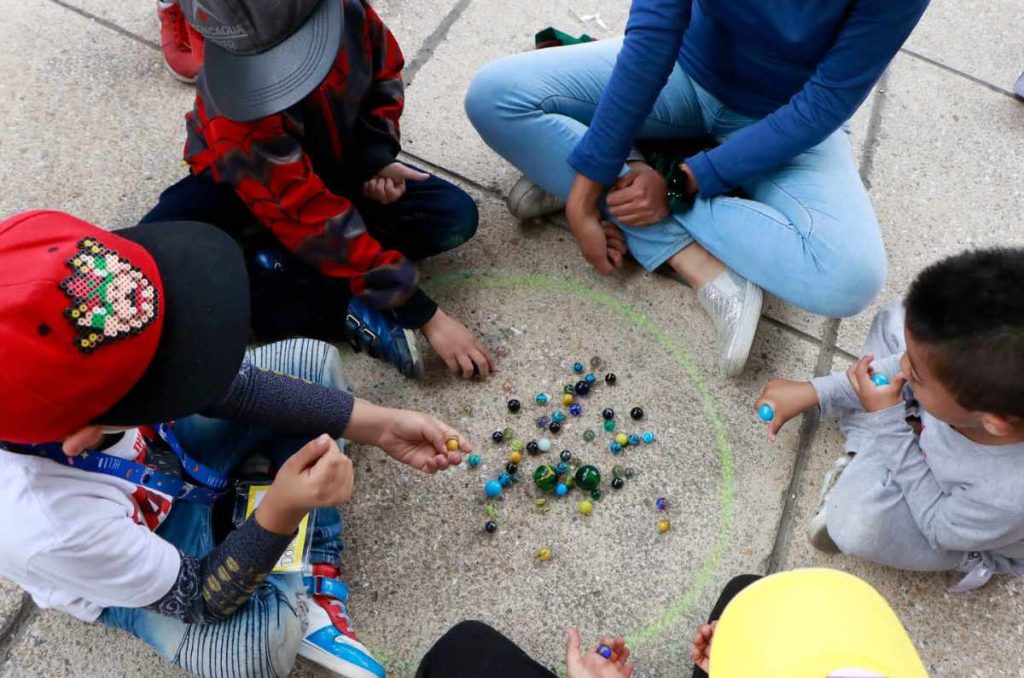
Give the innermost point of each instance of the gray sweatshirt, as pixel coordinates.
(962, 495)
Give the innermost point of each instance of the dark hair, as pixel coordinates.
(969, 312)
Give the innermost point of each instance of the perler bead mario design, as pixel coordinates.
(110, 298)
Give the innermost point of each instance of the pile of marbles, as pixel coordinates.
(569, 472)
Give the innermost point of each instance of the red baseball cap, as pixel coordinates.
(138, 326)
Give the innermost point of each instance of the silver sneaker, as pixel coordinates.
(734, 305)
(817, 530)
(527, 200)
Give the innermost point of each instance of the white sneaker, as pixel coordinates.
(817, 529)
(527, 200)
(734, 305)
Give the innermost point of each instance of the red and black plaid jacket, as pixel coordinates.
(291, 168)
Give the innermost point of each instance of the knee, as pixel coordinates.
(261, 639)
(466, 634)
(285, 621)
(461, 220)
(490, 101)
(283, 645)
(850, 287)
(466, 218)
(852, 524)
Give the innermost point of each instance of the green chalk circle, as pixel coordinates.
(501, 279)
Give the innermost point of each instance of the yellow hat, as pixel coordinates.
(812, 623)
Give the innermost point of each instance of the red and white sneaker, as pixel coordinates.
(181, 44)
(330, 641)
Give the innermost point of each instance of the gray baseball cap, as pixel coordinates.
(262, 56)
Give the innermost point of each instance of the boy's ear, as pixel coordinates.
(998, 425)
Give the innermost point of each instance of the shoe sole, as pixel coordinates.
(415, 368)
(515, 199)
(750, 316)
(332, 663)
(818, 536)
(414, 355)
(178, 76)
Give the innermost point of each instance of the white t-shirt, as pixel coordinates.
(74, 540)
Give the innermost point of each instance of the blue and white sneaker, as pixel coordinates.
(377, 333)
(330, 641)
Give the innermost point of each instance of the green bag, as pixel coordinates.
(552, 37)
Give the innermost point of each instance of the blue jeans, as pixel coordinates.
(805, 231)
(262, 637)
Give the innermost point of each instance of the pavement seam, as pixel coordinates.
(810, 421)
(873, 133)
(809, 424)
(955, 71)
(12, 632)
(452, 175)
(426, 50)
(110, 25)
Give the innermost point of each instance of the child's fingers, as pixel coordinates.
(81, 440)
(309, 454)
(572, 649)
(615, 257)
(483, 366)
(862, 373)
(627, 671)
(492, 362)
(465, 364)
(394, 189)
(410, 173)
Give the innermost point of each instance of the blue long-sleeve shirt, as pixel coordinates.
(801, 66)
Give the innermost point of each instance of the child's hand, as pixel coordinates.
(458, 347)
(389, 184)
(316, 476)
(593, 665)
(701, 652)
(640, 198)
(788, 399)
(872, 397)
(420, 441)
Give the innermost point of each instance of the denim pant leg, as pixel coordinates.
(533, 108)
(431, 217)
(805, 231)
(262, 637)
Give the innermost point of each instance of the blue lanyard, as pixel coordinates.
(212, 484)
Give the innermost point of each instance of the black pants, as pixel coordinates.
(291, 298)
(472, 649)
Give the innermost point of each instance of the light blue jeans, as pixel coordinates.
(261, 640)
(805, 231)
